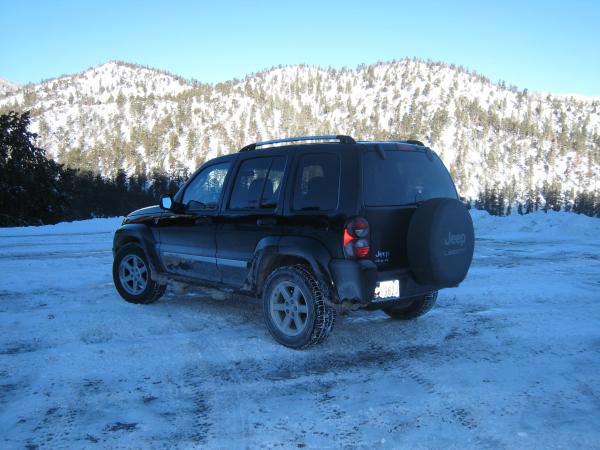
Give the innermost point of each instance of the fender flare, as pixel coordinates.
(311, 250)
(141, 235)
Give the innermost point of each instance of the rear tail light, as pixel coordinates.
(356, 238)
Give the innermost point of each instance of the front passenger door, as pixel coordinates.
(187, 238)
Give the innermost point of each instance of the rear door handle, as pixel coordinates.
(266, 221)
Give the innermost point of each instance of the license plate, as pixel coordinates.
(387, 289)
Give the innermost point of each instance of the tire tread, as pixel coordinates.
(325, 314)
(154, 291)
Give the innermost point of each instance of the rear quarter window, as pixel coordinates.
(317, 183)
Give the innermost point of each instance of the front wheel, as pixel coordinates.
(131, 275)
(295, 309)
(413, 308)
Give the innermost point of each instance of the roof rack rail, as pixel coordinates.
(343, 139)
(405, 141)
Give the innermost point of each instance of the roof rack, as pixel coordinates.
(407, 141)
(343, 139)
(414, 142)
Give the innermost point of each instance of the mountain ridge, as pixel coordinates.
(119, 115)
(7, 86)
(194, 81)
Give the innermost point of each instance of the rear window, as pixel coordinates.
(404, 177)
(317, 183)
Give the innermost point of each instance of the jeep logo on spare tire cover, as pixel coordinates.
(455, 240)
(440, 242)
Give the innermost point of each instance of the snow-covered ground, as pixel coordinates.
(511, 359)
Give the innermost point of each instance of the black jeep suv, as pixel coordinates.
(309, 225)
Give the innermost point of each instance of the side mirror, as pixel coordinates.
(166, 202)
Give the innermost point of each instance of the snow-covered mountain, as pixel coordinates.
(7, 87)
(120, 115)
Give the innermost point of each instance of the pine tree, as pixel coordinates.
(28, 181)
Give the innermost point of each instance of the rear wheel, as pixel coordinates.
(295, 308)
(413, 308)
(131, 275)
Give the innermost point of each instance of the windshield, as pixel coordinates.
(404, 177)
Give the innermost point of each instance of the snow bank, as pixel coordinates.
(535, 226)
(78, 226)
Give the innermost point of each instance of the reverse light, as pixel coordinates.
(356, 238)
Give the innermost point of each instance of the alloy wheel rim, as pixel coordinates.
(133, 274)
(288, 308)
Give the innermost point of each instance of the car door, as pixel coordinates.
(187, 237)
(251, 213)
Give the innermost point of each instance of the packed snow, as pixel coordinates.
(510, 359)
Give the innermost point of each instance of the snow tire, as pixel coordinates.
(320, 316)
(151, 290)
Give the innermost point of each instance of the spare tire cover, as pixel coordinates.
(440, 242)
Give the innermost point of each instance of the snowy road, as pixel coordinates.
(509, 359)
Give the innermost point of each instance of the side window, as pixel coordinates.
(205, 189)
(317, 183)
(270, 196)
(258, 183)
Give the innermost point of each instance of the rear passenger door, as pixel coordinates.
(314, 211)
(251, 213)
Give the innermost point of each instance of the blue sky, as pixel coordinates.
(543, 46)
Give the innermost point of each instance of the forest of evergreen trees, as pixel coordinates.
(500, 202)
(37, 190)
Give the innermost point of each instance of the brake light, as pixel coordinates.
(347, 237)
(356, 238)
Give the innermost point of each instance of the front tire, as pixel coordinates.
(415, 308)
(295, 308)
(131, 275)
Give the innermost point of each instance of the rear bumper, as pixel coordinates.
(355, 281)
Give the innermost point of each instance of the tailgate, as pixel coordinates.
(388, 229)
(396, 179)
